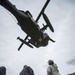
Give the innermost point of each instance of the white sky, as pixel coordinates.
(62, 15)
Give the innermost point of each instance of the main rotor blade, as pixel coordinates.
(20, 46)
(48, 22)
(43, 9)
(22, 43)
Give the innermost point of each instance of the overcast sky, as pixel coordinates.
(62, 16)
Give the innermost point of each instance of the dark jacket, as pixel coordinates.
(2, 70)
(27, 71)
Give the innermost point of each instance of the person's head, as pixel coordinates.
(50, 62)
(25, 66)
(3, 70)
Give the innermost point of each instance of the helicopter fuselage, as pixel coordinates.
(30, 26)
(27, 24)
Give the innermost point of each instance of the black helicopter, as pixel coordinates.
(30, 26)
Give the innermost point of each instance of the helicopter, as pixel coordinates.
(36, 36)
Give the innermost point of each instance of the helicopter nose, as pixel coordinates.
(44, 42)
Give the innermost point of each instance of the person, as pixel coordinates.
(52, 68)
(2, 70)
(27, 71)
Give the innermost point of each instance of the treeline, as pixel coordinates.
(72, 73)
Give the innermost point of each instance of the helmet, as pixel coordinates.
(50, 62)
